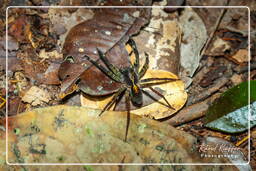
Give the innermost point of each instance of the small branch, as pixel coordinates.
(192, 112)
(214, 30)
(214, 88)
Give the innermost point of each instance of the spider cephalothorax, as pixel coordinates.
(131, 79)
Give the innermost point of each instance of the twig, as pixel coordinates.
(214, 30)
(242, 141)
(214, 88)
(192, 112)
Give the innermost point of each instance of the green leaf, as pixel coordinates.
(235, 122)
(229, 113)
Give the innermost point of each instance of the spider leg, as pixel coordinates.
(159, 94)
(145, 85)
(158, 79)
(113, 100)
(153, 98)
(111, 67)
(136, 53)
(144, 68)
(128, 108)
(102, 69)
(118, 100)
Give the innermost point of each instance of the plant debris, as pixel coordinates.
(36, 96)
(46, 47)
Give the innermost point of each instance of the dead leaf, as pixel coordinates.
(174, 93)
(21, 82)
(208, 15)
(161, 40)
(50, 55)
(108, 30)
(65, 134)
(213, 74)
(17, 28)
(36, 96)
(50, 76)
(241, 56)
(193, 40)
(236, 79)
(172, 4)
(218, 47)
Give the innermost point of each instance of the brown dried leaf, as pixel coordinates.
(49, 55)
(64, 134)
(108, 30)
(241, 56)
(36, 96)
(161, 40)
(18, 28)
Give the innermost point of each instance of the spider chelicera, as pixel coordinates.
(132, 82)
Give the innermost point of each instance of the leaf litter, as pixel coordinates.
(215, 85)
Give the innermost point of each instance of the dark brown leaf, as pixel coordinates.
(171, 4)
(108, 31)
(213, 74)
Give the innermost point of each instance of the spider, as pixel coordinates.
(132, 82)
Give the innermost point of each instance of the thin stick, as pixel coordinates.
(217, 24)
(242, 141)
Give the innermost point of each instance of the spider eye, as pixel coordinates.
(70, 59)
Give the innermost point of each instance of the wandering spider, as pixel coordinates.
(132, 84)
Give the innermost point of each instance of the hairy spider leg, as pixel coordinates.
(159, 94)
(144, 68)
(108, 73)
(148, 84)
(111, 67)
(119, 99)
(153, 98)
(136, 53)
(158, 79)
(113, 100)
(128, 108)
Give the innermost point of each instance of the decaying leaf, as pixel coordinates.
(31, 29)
(63, 20)
(50, 55)
(65, 134)
(108, 30)
(161, 40)
(174, 93)
(241, 56)
(36, 96)
(219, 46)
(193, 40)
(21, 82)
